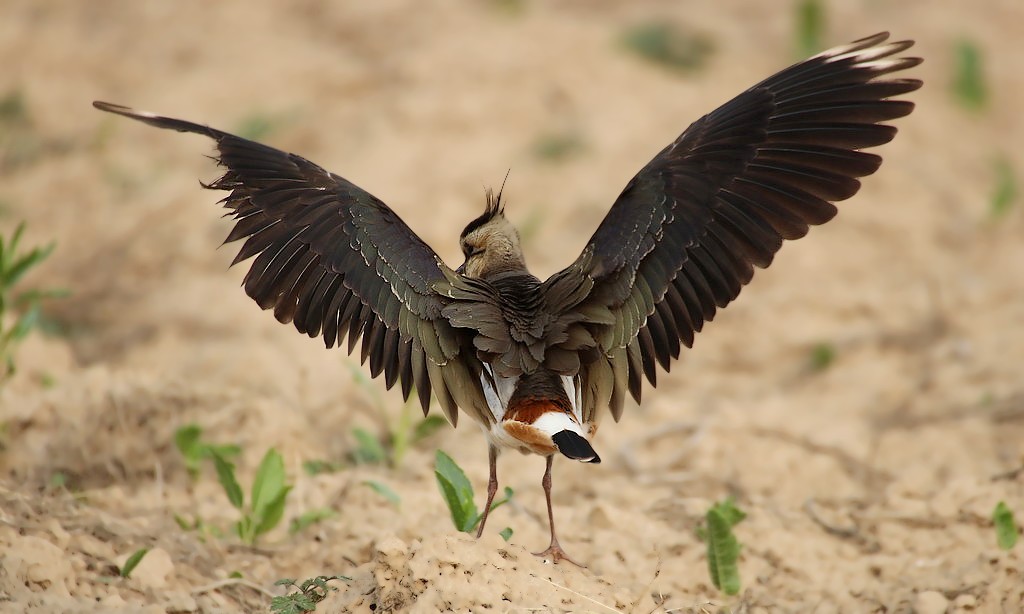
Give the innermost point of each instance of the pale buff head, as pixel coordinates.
(490, 243)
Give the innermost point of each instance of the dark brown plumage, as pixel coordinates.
(679, 243)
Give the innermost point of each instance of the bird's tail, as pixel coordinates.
(575, 446)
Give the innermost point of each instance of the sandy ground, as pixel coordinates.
(869, 485)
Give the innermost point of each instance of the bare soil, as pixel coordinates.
(869, 484)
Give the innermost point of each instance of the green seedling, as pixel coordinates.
(194, 450)
(1006, 528)
(20, 142)
(510, 8)
(389, 448)
(309, 519)
(822, 356)
(257, 126)
(316, 467)
(558, 146)
(311, 592)
(369, 450)
(810, 23)
(723, 549)
(969, 86)
(385, 491)
(133, 562)
(1005, 192)
(25, 304)
(664, 44)
(458, 494)
(13, 109)
(200, 527)
(267, 499)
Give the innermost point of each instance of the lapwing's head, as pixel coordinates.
(490, 243)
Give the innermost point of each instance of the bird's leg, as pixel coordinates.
(554, 550)
(492, 487)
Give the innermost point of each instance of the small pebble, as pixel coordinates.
(930, 602)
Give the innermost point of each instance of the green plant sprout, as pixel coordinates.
(385, 491)
(311, 592)
(810, 23)
(188, 440)
(558, 146)
(969, 87)
(1006, 528)
(822, 355)
(458, 494)
(267, 498)
(665, 44)
(318, 466)
(133, 562)
(310, 518)
(25, 304)
(723, 549)
(199, 526)
(392, 446)
(1005, 192)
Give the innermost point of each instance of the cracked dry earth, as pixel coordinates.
(869, 485)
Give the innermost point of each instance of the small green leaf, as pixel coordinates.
(506, 533)
(1006, 528)
(384, 491)
(226, 476)
(558, 146)
(311, 592)
(810, 22)
(185, 524)
(12, 275)
(369, 450)
(666, 44)
(309, 518)
(1005, 192)
(133, 562)
(723, 549)
(270, 515)
(732, 514)
(823, 354)
(969, 81)
(25, 323)
(256, 126)
(268, 483)
(316, 467)
(186, 439)
(236, 575)
(243, 529)
(58, 479)
(427, 427)
(457, 492)
(499, 502)
(295, 603)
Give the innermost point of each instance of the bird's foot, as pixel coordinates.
(556, 554)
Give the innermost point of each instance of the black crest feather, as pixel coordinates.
(493, 208)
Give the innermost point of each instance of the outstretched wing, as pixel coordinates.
(683, 237)
(336, 261)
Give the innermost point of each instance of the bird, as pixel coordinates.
(536, 364)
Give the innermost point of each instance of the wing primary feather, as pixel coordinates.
(635, 371)
(420, 375)
(405, 376)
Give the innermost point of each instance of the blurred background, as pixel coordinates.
(862, 401)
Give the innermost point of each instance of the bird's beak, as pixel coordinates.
(462, 269)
